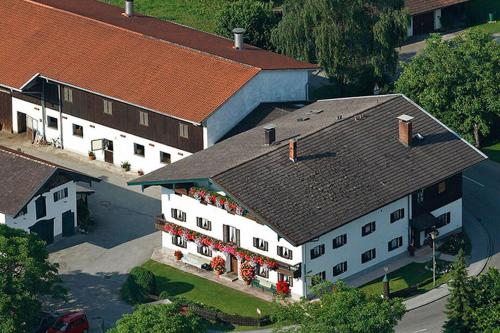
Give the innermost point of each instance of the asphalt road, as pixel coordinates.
(482, 200)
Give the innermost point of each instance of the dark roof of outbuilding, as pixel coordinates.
(24, 177)
(346, 168)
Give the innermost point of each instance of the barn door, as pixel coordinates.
(44, 229)
(5, 111)
(68, 223)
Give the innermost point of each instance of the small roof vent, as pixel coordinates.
(303, 119)
(339, 117)
(318, 111)
(419, 137)
(238, 38)
(269, 134)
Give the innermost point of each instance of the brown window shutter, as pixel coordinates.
(183, 217)
(225, 233)
(173, 212)
(238, 237)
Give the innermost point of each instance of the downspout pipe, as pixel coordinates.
(44, 115)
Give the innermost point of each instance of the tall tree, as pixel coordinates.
(340, 309)
(167, 318)
(457, 81)
(485, 302)
(256, 17)
(458, 306)
(25, 274)
(353, 40)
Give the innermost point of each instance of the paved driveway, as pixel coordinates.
(94, 266)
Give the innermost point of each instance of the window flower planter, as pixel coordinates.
(213, 198)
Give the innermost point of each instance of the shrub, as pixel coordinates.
(139, 285)
(454, 243)
(125, 166)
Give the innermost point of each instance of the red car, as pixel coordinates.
(74, 322)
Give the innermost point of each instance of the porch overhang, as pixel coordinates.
(423, 222)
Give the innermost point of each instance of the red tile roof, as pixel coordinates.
(113, 61)
(178, 34)
(422, 6)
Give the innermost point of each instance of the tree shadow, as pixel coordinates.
(173, 288)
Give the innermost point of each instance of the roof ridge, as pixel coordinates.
(28, 157)
(280, 145)
(145, 35)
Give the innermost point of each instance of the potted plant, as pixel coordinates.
(91, 156)
(140, 172)
(247, 271)
(218, 265)
(282, 288)
(178, 255)
(125, 166)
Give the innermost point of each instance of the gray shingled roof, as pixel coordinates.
(346, 168)
(23, 176)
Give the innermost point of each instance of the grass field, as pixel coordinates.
(405, 277)
(199, 14)
(489, 28)
(493, 152)
(178, 283)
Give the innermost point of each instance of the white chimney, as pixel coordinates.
(238, 38)
(129, 8)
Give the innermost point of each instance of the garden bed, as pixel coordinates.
(453, 243)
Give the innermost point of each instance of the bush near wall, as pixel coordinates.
(138, 287)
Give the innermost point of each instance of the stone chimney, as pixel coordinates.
(292, 150)
(129, 8)
(405, 129)
(270, 134)
(238, 38)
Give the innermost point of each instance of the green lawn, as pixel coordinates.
(178, 283)
(493, 152)
(199, 14)
(405, 277)
(489, 28)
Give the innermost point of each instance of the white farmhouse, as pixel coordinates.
(38, 196)
(330, 190)
(130, 87)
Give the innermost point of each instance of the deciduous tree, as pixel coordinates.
(25, 275)
(457, 81)
(340, 309)
(354, 40)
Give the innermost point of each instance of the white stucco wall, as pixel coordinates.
(351, 252)
(248, 229)
(437, 19)
(410, 27)
(123, 143)
(267, 86)
(2, 218)
(54, 210)
(455, 210)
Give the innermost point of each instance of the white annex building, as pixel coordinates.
(130, 88)
(330, 190)
(38, 196)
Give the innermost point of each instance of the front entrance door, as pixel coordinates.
(21, 122)
(234, 264)
(44, 229)
(108, 151)
(415, 237)
(68, 223)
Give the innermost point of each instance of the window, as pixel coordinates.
(139, 150)
(340, 268)
(204, 251)
(203, 223)
(61, 194)
(317, 251)
(420, 196)
(339, 241)
(441, 187)
(368, 255)
(23, 211)
(68, 95)
(287, 278)
(397, 215)
(260, 244)
(184, 131)
(395, 243)
(178, 215)
(318, 278)
(179, 241)
(284, 252)
(263, 271)
(51, 122)
(231, 234)
(108, 107)
(368, 228)
(443, 220)
(165, 158)
(78, 130)
(143, 118)
(41, 209)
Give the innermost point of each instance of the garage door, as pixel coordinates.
(423, 23)
(44, 229)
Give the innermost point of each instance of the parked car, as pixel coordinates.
(74, 322)
(45, 320)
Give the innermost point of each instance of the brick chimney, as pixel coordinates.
(129, 8)
(405, 129)
(270, 134)
(292, 150)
